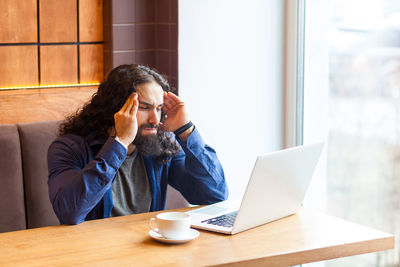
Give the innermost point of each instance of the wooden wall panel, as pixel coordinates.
(19, 106)
(58, 21)
(18, 21)
(91, 21)
(91, 63)
(58, 64)
(19, 66)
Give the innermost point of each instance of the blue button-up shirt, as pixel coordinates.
(81, 174)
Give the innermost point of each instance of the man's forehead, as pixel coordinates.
(150, 93)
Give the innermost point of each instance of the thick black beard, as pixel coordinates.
(148, 145)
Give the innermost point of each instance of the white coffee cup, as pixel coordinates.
(172, 225)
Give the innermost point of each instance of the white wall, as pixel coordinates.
(230, 76)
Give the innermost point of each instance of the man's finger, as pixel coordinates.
(168, 104)
(165, 108)
(134, 107)
(166, 98)
(128, 103)
(173, 98)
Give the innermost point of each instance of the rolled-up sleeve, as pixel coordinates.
(197, 173)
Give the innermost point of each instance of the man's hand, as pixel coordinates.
(126, 125)
(176, 112)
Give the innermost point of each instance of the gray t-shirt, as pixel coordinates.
(131, 191)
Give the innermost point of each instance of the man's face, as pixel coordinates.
(151, 99)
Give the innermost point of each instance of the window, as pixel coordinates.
(352, 100)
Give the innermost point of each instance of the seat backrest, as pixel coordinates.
(35, 141)
(12, 206)
(175, 199)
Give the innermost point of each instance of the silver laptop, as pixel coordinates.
(276, 189)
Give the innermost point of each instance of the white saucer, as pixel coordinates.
(192, 235)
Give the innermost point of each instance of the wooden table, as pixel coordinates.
(305, 237)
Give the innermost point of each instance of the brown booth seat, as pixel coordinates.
(12, 205)
(35, 139)
(24, 198)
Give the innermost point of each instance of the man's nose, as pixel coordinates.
(154, 117)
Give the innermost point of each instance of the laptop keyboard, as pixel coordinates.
(225, 220)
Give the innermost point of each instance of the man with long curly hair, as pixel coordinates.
(117, 154)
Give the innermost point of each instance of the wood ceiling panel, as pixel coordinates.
(18, 23)
(19, 66)
(91, 21)
(91, 63)
(58, 21)
(58, 64)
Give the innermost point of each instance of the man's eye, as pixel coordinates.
(144, 108)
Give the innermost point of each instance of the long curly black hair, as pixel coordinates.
(96, 118)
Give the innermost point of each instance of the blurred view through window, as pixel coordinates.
(352, 96)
